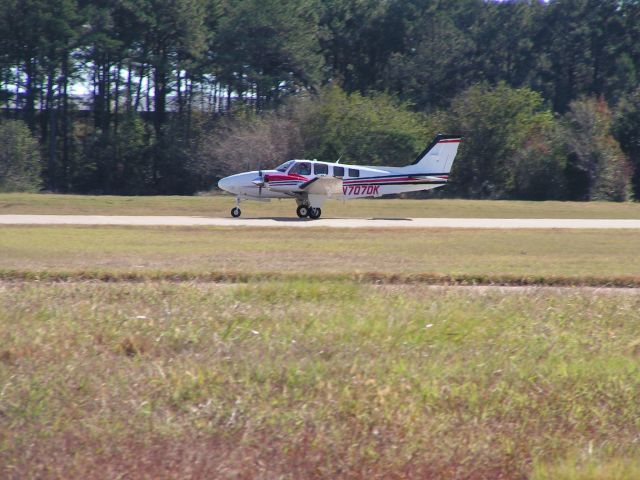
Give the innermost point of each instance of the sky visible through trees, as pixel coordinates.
(145, 96)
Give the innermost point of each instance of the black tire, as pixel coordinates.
(314, 213)
(303, 211)
(235, 212)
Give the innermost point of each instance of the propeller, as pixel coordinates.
(259, 181)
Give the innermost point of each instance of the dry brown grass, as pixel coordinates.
(304, 379)
(376, 278)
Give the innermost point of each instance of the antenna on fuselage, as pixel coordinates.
(340, 158)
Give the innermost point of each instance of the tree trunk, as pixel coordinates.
(50, 130)
(66, 154)
(136, 104)
(30, 94)
(116, 101)
(160, 97)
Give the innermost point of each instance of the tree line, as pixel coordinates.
(165, 96)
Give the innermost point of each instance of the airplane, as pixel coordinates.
(311, 182)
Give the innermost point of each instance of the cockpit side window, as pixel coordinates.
(301, 168)
(284, 166)
(320, 168)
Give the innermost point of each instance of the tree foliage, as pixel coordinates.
(247, 142)
(626, 129)
(330, 126)
(595, 153)
(374, 130)
(269, 48)
(510, 148)
(20, 166)
(119, 92)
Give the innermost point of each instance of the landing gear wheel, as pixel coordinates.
(302, 211)
(314, 213)
(235, 212)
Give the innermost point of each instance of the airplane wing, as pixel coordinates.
(324, 185)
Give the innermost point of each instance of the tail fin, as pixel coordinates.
(438, 157)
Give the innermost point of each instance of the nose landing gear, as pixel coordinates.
(235, 211)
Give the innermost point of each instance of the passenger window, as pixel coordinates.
(354, 173)
(320, 168)
(338, 171)
(301, 168)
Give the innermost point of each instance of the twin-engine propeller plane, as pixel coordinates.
(311, 183)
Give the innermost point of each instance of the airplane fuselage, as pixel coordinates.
(311, 182)
(367, 182)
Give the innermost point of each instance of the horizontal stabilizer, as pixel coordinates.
(429, 178)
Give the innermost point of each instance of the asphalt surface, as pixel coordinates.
(492, 223)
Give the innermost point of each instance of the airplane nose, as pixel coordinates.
(225, 184)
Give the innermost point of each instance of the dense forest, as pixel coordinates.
(165, 96)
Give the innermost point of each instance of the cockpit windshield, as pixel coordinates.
(301, 168)
(284, 166)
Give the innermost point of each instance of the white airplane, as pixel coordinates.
(311, 183)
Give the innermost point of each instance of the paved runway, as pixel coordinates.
(496, 223)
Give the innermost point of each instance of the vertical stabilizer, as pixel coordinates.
(438, 157)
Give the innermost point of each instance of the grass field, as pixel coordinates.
(220, 205)
(487, 255)
(316, 380)
(317, 353)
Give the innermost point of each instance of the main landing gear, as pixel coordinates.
(314, 213)
(304, 211)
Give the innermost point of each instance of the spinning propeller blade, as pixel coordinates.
(260, 180)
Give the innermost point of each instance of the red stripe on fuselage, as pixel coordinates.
(389, 180)
(275, 177)
(378, 179)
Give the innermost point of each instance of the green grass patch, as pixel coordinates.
(586, 468)
(301, 379)
(458, 256)
(220, 206)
